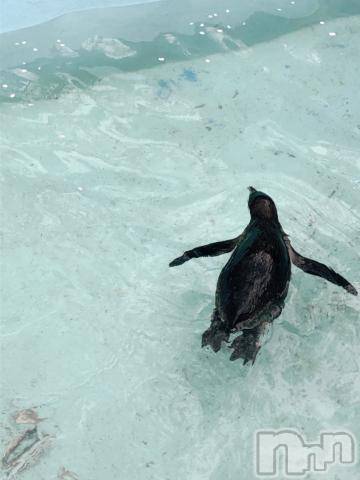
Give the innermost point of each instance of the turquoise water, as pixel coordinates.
(134, 141)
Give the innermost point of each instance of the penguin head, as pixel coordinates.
(261, 206)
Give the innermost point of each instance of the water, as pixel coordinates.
(113, 163)
(25, 13)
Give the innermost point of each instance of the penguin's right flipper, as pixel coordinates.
(210, 250)
(313, 267)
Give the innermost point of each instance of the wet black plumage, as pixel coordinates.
(253, 285)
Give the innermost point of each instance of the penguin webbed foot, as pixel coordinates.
(214, 336)
(246, 346)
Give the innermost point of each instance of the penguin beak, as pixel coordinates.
(252, 189)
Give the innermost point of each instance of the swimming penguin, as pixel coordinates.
(253, 285)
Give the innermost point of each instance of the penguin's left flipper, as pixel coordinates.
(210, 250)
(319, 269)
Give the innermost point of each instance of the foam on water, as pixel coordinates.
(103, 186)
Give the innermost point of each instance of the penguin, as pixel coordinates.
(253, 285)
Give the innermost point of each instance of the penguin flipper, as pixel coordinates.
(313, 267)
(210, 250)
